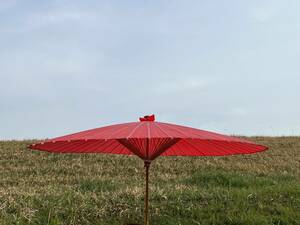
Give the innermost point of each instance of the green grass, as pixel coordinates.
(93, 189)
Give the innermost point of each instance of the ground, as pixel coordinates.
(93, 189)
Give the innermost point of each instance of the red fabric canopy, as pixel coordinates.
(149, 139)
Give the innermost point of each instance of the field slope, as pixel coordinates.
(93, 189)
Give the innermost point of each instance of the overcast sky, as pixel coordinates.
(226, 66)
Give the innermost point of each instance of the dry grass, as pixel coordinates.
(44, 188)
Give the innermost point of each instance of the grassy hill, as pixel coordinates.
(90, 189)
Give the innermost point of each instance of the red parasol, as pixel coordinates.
(149, 139)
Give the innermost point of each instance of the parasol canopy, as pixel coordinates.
(149, 139)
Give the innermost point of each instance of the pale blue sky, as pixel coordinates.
(227, 66)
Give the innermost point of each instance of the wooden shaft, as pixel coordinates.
(147, 165)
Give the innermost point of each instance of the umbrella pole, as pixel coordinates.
(147, 165)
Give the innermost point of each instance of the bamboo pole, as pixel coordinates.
(147, 165)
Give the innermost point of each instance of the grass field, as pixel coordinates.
(93, 189)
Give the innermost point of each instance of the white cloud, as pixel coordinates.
(266, 11)
(181, 84)
(56, 17)
(7, 4)
(238, 112)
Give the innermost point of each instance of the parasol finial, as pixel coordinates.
(148, 118)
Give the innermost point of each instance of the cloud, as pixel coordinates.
(56, 17)
(238, 112)
(6, 5)
(181, 84)
(266, 11)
